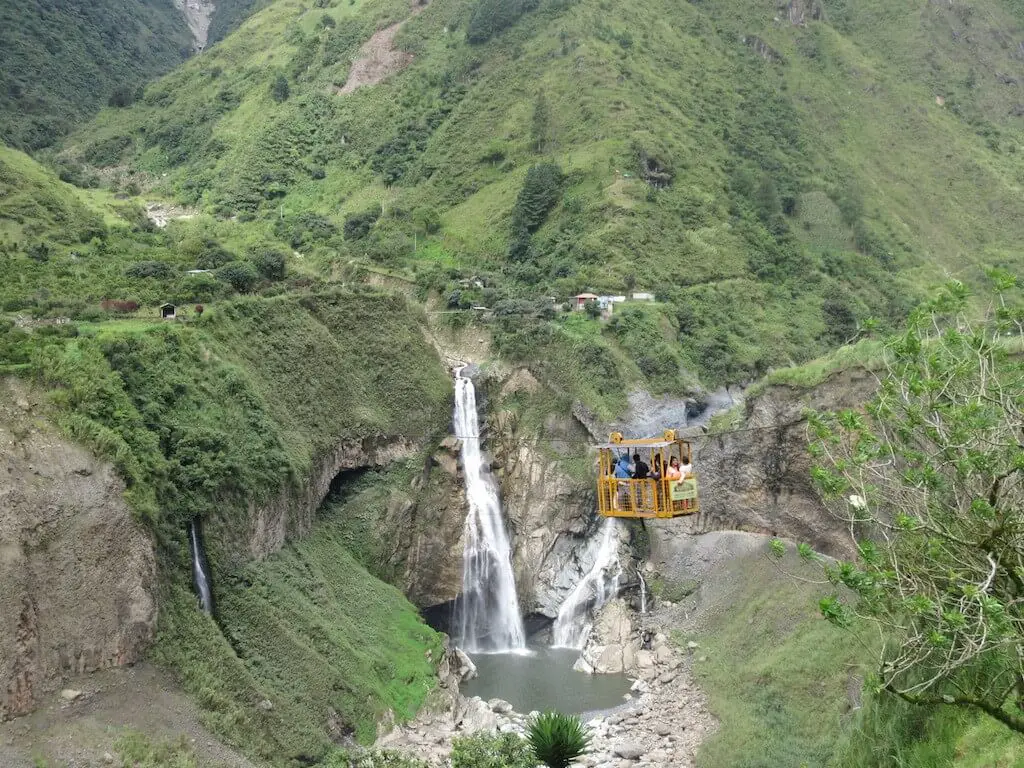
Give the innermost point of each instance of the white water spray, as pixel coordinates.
(199, 575)
(601, 584)
(488, 617)
(643, 592)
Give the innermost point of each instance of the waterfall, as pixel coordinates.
(200, 571)
(601, 584)
(487, 614)
(643, 592)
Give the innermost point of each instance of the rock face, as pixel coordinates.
(757, 479)
(550, 513)
(290, 514)
(77, 573)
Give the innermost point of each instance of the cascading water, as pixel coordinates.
(487, 617)
(643, 592)
(601, 584)
(200, 573)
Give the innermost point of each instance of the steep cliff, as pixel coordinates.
(77, 572)
(756, 477)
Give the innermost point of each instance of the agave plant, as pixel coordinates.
(557, 739)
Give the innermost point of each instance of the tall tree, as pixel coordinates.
(930, 479)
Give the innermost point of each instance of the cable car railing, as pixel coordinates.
(660, 496)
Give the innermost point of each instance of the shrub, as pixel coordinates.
(556, 739)
(143, 269)
(240, 275)
(304, 229)
(208, 253)
(270, 264)
(38, 252)
(358, 225)
(483, 750)
(106, 152)
(279, 90)
(427, 220)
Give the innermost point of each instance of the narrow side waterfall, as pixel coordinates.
(601, 584)
(200, 572)
(643, 592)
(487, 617)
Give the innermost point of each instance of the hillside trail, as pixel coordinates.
(378, 58)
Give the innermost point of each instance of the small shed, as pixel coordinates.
(167, 311)
(643, 296)
(580, 300)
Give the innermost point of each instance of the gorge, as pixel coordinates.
(312, 312)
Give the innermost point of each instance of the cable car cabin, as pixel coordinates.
(649, 497)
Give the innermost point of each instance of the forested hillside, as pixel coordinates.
(775, 175)
(59, 62)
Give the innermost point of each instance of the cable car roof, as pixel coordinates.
(641, 443)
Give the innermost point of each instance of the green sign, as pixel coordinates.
(685, 490)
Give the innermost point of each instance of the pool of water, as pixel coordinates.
(544, 679)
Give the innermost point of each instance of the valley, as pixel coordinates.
(313, 315)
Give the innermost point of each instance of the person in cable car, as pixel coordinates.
(674, 472)
(640, 468)
(622, 472)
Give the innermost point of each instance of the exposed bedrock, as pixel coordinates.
(77, 573)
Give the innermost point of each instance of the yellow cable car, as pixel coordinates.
(650, 497)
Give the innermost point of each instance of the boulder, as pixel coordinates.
(628, 750)
(499, 706)
(581, 665)
(464, 666)
(610, 661)
(477, 716)
(613, 625)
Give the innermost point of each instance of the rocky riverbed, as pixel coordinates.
(663, 721)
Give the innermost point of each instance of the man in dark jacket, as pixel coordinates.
(640, 468)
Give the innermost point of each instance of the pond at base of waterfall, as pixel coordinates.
(543, 679)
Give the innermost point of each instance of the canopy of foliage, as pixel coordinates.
(930, 479)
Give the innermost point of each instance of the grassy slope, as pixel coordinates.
(885, 190)
(778, 678)
(59, 62)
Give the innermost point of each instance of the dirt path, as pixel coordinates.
(378, 58)
(83, 732)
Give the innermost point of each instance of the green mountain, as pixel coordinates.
(59, 62)
(774, 176)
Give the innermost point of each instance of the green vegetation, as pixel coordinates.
(59, 63)
(943, 583)
(484, 750)
(137, 751)
(788, 688)
(556, 740)
(309, 631)
(778, 677)
(746, 188)
(208, 418)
